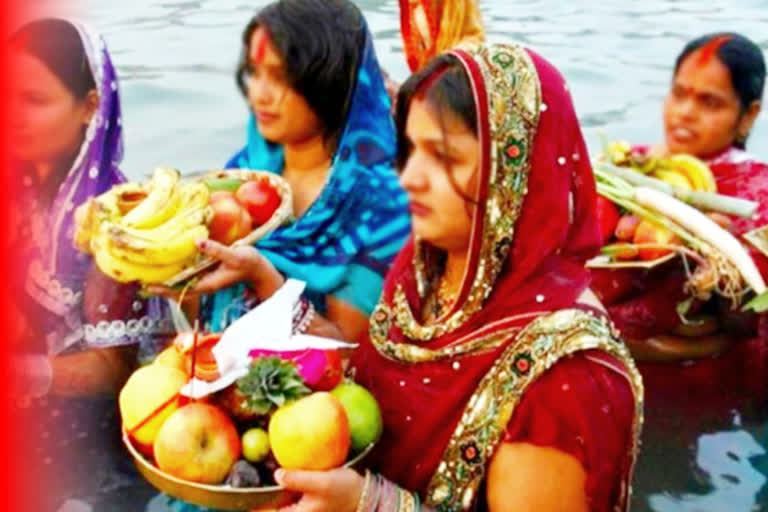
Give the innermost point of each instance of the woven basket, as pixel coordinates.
(283, 213)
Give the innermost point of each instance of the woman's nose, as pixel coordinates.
(259, 91)
(686, 108)
(412, 176)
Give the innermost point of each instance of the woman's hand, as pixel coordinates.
(338, 490)
(238, 264)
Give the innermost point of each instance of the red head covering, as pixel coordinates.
(533, 231)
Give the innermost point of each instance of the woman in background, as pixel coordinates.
(79, 332)
(320, 119)
(714, 98)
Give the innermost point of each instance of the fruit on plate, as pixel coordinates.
(148, 240)
(311, 433)
(681, 170)
(185, 340)
(321, 370)
(607, 217)
(694, 170)
(674, 178)
(231, 221)
(161, 202)
(148, 398)
(649, 233)
(173, 358)
(270, 383)
(255, 443)
(625, 229)
(197, 443)
(260, 198)
(206, 367)
(363, 414)
(223, 183)
(243, 474)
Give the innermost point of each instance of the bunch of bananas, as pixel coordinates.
(684, 171)
(145, 233)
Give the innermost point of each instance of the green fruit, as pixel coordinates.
(363, 413)
(255, 445)
(228, 184)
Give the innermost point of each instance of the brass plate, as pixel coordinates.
(221, 497)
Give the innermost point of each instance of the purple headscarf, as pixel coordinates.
(57, 272)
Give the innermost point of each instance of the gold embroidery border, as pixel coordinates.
(542, 343)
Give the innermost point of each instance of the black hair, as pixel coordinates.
(445, 87)
(320, 42)
(744, 61)
(58, 45)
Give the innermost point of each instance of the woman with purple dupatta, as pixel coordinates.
(79, 332)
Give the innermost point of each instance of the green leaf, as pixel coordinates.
(271, 382)
(759, 304)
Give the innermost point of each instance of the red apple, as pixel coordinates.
(231, 221)
(260, 199)
(650, 233)
(197, 443)
(607, 218)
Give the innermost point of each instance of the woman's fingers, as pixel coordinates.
(236, 257)
(313, 482)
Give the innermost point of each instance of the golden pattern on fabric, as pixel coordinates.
(481, 428)
(412, 354)
(514, 99)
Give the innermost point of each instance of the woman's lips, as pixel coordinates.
(681, 134)
(266, 117)
(419, 209)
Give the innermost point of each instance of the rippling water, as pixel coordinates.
(176, 60)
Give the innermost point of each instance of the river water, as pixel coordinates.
(176, 59)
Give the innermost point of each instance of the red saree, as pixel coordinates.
(533, 229)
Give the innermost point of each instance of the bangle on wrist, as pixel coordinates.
(369, 496)
(303, 314)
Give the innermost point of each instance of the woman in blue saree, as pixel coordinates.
(320, 117)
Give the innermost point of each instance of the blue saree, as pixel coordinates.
(343, 245)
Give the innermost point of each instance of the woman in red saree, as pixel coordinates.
(713, 101)
(501, 388)
(709, 111)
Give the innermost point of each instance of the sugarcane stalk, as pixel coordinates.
(707, 201)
